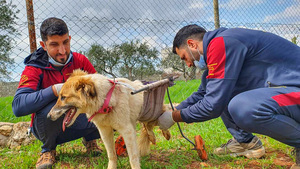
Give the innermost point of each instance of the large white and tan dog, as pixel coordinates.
(85, 93)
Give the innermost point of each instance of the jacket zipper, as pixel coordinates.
(62, 76)
(274, 86)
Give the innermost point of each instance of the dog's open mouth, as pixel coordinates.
(68, 117)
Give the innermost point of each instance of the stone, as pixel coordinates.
(6, 128)
(14, 135)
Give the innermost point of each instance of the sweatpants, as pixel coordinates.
(51, 134)
(274, 112)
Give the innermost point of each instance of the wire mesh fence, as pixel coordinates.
(110, 24)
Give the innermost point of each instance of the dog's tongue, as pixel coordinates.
(66, 119)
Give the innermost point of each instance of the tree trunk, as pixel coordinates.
(31, 26)
(216, 14)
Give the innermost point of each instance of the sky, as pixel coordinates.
(155, 22)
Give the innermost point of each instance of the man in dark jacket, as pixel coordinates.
(251, 80)
(45, 72)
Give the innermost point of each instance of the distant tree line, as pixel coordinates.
(8, 17)
(133, 60)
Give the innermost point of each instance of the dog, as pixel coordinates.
(86, 93)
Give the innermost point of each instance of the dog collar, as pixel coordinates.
(105, 109)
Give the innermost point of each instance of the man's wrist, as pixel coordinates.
(177, 116)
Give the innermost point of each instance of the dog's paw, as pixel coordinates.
(166, 134)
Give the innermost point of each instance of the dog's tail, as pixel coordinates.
(146, 136)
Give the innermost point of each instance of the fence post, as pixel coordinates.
(216, 14)
(31, 26)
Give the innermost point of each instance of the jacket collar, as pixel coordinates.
(40, 59)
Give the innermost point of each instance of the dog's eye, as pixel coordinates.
(62, 98)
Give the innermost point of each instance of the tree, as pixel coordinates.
(8, 17)
(174, 62)
(104, 60)
(137, 60)
(294, 40)
(129, 59)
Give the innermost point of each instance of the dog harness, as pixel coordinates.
(105, 109)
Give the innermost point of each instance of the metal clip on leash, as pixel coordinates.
(199, 143)
(28, 133)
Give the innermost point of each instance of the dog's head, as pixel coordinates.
(74, 97)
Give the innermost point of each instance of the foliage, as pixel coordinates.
(104, 60)
(294, 40)
(137, 59)
(174, 62)
(8, 17)
(130, 59)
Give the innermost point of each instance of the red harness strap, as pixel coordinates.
(105, 109)
(32, 118)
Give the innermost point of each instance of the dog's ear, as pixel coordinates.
(87, 87)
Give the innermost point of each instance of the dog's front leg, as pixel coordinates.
(129, 134)
(107, 136)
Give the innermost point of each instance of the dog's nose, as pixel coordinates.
(49, 116)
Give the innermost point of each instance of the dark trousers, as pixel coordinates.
(274, 112)
(51, 134)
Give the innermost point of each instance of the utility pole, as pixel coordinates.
(31, 26)
(216, 14)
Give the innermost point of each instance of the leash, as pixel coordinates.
(199, 142)
(178, 122)
(105, 109)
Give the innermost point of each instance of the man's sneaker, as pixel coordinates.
(92, 147)
(254, 149)
(46, 160)
(296, 152)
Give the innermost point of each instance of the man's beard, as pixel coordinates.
(63, 60)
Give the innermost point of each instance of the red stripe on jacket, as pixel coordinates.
(288, 99)
(216, 58)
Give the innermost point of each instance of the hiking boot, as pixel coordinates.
(254, 149)
(92, 147)
(46, 160)
(296, 152)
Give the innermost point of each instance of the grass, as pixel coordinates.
(6, 114)
(172, 154)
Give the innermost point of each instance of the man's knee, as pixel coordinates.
(242, 111)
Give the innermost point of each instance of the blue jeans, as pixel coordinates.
(51, 134)
(274, 112)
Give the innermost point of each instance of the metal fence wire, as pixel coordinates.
(100, 28)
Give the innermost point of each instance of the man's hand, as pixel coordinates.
(56, 88)
(165, 121)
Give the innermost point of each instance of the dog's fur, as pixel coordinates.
(85, 93)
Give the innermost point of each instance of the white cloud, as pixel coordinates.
(108, 22)
(90, 12)
(288, 14)
(151, 41)
(240, 4)
(200, 5)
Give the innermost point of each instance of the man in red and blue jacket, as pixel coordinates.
(252, 80)
(45, 72)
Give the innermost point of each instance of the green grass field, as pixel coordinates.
(172, 154)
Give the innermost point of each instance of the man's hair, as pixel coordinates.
(53, 26)
(188, 32)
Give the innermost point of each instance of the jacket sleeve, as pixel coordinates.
(196, 96)
(29, 98)
(225, 57)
